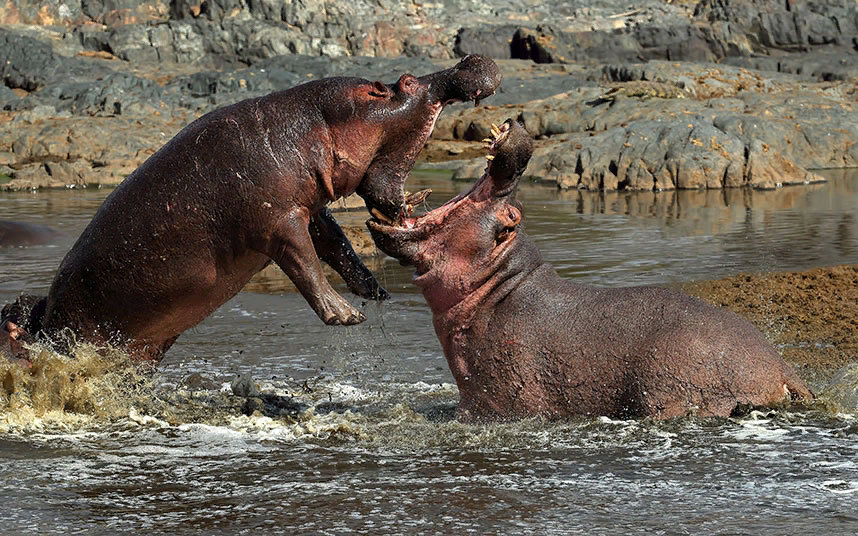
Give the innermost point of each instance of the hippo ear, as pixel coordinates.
(407, 83)
(380, 90)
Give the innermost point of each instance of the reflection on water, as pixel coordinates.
(625, 238)
(353, 428)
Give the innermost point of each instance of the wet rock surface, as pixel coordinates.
(759, 93)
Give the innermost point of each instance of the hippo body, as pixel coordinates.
(242, 186)
(522, 341)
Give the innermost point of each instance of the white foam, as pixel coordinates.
(840, 487)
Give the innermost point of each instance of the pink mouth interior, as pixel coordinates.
(476, 192)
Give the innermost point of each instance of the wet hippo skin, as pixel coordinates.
(243, 186)
(522, 342)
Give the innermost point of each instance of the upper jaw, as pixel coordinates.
(403, 213)
(472, 79)
(481, 189)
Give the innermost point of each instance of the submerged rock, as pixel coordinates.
(244, 386)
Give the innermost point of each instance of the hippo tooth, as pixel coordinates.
(490, 157)
(377, 213)
(488, 140)
(495, 130)
(419, 197)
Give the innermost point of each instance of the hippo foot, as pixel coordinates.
(347, 319)
(336, 311)
(367, 287)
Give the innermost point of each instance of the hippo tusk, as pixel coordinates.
(418, 197)
(378, 215)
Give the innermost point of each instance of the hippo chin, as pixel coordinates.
(242, 186)
(521, 341)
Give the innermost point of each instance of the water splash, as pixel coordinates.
(93, 383)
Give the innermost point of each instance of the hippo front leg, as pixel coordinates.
(292, 249)
(334, 248)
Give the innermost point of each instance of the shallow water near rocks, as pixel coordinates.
(355, 430)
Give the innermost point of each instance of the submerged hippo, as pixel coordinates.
(521, 341)
(19, 234)
(240, 187)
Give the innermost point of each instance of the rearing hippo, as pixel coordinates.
(240, 187)
(521, 341)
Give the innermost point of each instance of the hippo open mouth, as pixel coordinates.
(435, 217)
(474, 78)
(509, 151)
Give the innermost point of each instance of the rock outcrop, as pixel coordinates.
(656, 96)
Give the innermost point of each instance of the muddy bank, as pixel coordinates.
(811, 317)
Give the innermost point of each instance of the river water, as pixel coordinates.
(354, 431)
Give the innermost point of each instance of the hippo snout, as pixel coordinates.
(474, 78)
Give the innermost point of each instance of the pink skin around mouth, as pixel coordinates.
(477, 192)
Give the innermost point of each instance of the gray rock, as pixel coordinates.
(243, 385)
(7, 98)
(491, 41)
(198, 382)
(25, 63)
(547, 45)
(773, 24)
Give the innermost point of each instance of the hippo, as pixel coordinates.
(20, 234)
(240, 187)
(523, 342)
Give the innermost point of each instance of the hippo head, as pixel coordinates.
(457, 246)
(408, 116)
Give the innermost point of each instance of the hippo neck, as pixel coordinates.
(455, 319)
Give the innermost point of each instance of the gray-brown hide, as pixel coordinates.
(521, 341)
(244, 185)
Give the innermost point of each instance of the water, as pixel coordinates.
(356, 433)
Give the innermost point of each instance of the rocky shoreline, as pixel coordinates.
(645, 96)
